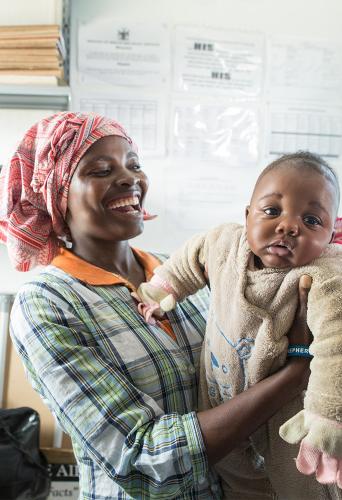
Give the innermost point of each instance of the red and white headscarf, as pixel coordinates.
(338, 229)
(34, 188)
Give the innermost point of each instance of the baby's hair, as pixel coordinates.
(307, 160)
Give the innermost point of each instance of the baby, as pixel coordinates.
(253, 273)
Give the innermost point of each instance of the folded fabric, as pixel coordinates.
(321, 445)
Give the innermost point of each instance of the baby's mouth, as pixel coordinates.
(280, 248)
(130, 205)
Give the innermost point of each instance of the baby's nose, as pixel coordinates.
(288, 226)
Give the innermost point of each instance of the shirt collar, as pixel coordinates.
(93, 275)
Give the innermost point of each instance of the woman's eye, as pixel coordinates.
(312, 220)
(101, 173)
(136, 166)
(271, 211)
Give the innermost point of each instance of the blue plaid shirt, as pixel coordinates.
(124, 391)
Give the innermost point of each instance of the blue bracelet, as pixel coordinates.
(299, 350)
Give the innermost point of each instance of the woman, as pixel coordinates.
(125, 391)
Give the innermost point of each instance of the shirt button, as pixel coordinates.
(202, 480)
(191, 369)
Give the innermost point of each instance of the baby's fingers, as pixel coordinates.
(308, 458)
(327, 469)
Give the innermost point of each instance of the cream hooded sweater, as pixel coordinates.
(251, 312)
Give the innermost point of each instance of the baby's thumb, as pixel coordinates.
(294, 429)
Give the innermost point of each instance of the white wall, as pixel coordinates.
(318, 19)
(13, 123)
(34, 12)
(293, 17)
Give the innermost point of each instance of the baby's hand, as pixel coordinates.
(310, 460)
(154, 300)
(320, 450)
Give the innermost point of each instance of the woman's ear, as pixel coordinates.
(332, 236)
(246, 213)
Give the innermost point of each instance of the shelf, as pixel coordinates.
(34, 97)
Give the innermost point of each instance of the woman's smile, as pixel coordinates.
(126, 204)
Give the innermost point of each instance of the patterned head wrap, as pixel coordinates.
(34, 188)
(338, 229)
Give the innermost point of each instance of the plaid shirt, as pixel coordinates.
(123, 390)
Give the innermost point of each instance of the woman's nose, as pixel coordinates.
(127, 179)
(288, 226)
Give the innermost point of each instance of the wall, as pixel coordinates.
(35, 12)
(13, 123)
(319, 19)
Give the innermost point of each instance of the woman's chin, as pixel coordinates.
(131, 232)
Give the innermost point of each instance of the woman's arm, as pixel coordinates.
(227, 425)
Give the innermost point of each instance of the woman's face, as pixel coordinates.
(106, 193)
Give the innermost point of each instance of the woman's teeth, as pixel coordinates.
(132, 202)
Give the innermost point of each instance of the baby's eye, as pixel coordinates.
(312, 220)
(271, 211)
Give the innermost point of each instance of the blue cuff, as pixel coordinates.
(298, 350)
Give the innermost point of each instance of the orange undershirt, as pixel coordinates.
(93, 275)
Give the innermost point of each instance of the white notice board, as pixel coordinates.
(211, 92)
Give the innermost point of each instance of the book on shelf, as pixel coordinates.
(24, 53)
(24, 65)
(32, 51)
(9, 62)
(37, 72)
(27, 31)
(12, 43)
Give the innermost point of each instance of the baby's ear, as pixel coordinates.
(247, 212)
(332, 236)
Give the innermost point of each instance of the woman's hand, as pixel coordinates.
(299, 332)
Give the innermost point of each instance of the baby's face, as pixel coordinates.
(290, 220)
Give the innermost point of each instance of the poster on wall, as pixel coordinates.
(304, 69)
(223, 61)
(122, 53)
(224, 132)
(143, 118)
(206, 196)
(314, 127)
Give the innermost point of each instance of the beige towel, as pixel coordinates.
(251, 312)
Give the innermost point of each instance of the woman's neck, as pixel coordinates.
(115, 257)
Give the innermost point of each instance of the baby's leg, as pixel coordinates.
(243, 476)
(287, 481)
